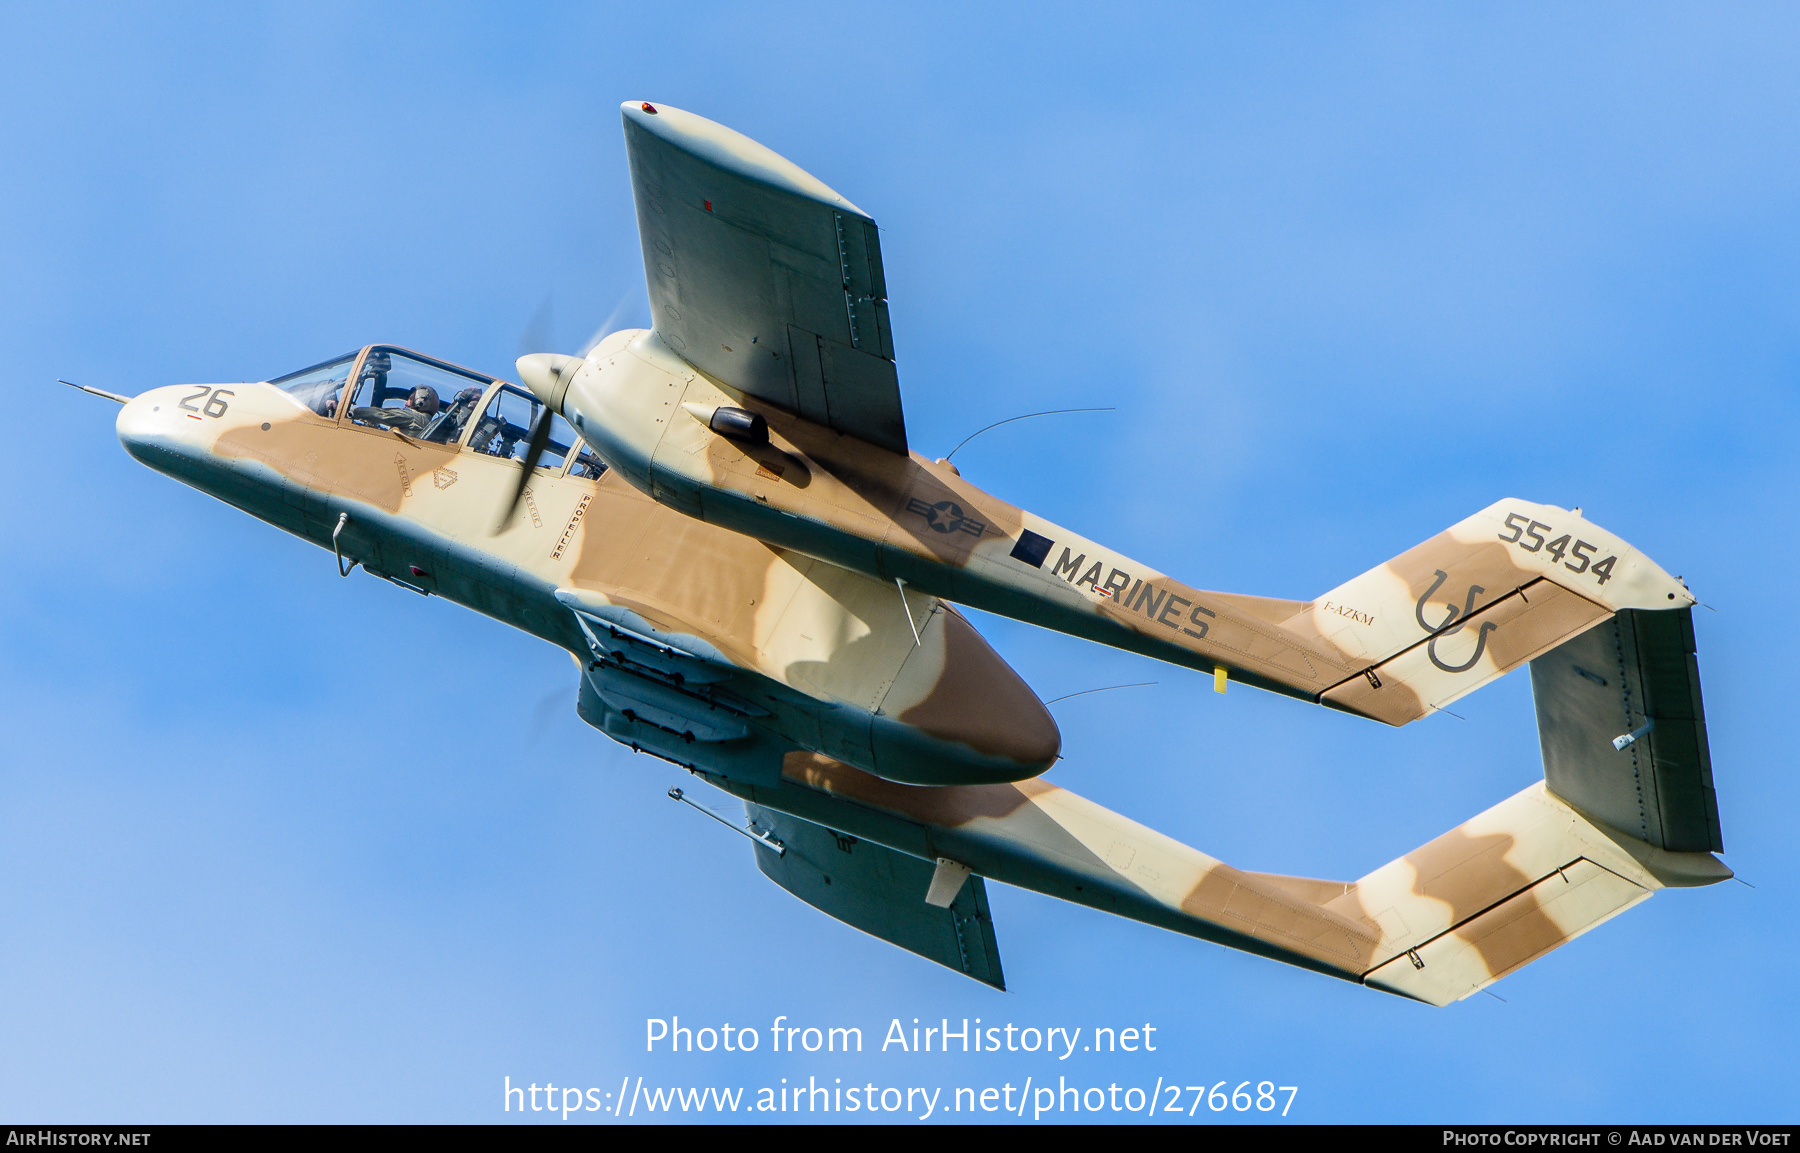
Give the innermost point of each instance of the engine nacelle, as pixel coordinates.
(943, 708)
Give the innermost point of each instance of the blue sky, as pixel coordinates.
(1347, 275)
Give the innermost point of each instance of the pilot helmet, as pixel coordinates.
(424, 399)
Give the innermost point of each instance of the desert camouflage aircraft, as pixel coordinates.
(719, 518)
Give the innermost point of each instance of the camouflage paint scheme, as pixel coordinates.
(733, 609)
(769, 297)
(1395, 643)
(811, 655)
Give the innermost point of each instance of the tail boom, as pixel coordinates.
(1407, 637)
(1436, 925)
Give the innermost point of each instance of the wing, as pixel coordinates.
(761, 276)
(882, 892)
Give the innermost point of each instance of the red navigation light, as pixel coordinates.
(708, 204)
(650, 108)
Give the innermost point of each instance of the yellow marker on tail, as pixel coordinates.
(1218, 678)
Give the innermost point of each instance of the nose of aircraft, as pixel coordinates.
(138, 418)
(152, 426)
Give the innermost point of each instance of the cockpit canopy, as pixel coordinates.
(426, 399)
(320, 386)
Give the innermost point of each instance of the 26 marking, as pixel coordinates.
(215, 403)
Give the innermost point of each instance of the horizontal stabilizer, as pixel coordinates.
(882, 892)
(1624, 733)
(1626, 808)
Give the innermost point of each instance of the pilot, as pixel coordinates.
(411, 419)
(421, 406)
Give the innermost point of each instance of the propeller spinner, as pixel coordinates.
(547, 375)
